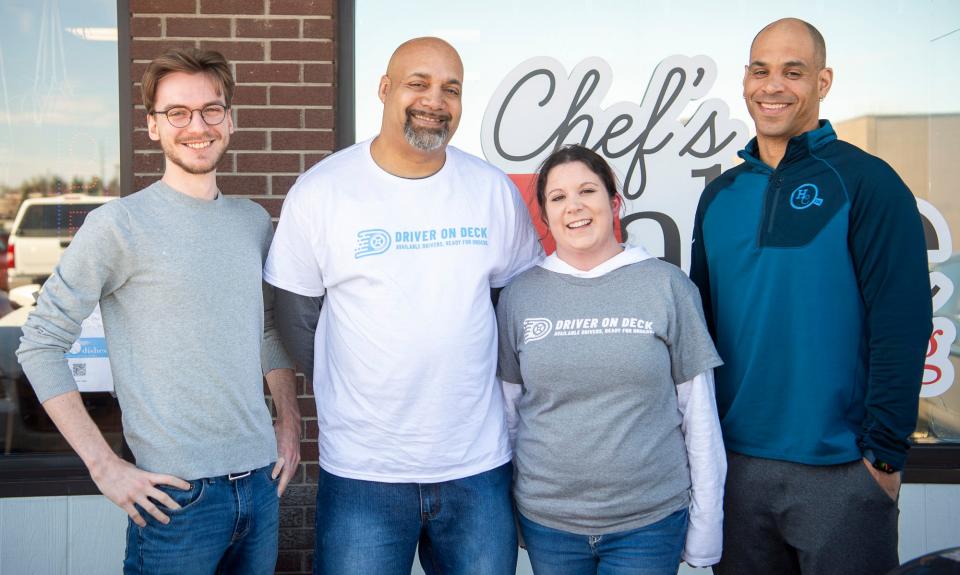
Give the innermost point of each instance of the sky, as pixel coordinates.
(889, 57)
(59, 91)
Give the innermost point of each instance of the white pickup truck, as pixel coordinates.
(41, 231)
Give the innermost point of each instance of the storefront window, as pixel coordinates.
(538, 76)
(59, 158)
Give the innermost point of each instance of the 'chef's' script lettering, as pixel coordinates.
(657, 152)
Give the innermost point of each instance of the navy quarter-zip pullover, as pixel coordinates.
(816, 290)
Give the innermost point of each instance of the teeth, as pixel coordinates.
(425, 118)
(773, 106)
(197, 145)
(578, 224)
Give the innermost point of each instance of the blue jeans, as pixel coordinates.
(462, 526)
(223, 526)
(650, 550)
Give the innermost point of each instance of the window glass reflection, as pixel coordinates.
(59, 159)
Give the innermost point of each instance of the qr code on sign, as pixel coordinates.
(79, 370)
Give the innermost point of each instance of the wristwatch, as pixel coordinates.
(878, 464)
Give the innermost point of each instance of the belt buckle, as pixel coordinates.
(235, 476)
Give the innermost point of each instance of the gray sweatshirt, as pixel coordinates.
(599, 445)
(188, 324)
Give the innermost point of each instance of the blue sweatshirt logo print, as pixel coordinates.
(805, 196)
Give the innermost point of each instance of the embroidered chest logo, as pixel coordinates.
(371, 243)
(535, 328)
(805, 196)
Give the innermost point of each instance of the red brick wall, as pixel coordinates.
(282, 53)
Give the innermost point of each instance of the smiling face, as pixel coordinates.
(197, 148)
(784, 82)
(579, 212)
(421, 96)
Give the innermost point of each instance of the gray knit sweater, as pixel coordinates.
(188, 332)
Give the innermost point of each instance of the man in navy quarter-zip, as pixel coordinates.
(811, 262)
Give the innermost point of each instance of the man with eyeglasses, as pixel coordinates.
(176, 269)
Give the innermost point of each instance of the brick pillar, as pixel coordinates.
(282, 54)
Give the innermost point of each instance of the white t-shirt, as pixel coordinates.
(406, 345)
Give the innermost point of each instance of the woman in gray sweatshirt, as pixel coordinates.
(608, 375)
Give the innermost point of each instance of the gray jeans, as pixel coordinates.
(786, 518)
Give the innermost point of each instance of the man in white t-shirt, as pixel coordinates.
(405, 236)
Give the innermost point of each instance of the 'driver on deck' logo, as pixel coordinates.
(376, 241)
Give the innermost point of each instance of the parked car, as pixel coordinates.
(26, 427)
(4, 286)
(41, 231)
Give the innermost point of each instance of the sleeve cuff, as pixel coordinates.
(701, 561)
(897, 458)
(274, 356)
(894, 459)
(291, 287)
(49, 378)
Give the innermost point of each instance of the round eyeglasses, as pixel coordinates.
(181, 116)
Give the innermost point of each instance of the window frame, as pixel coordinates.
(928, 463)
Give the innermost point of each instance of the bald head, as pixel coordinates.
(420, 49)
(797, 25)
(784, 83)
(421, 105)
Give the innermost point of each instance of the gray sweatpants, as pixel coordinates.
(786, 518)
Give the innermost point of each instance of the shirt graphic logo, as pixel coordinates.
(535, 328)
(371, 243)
(805, 196)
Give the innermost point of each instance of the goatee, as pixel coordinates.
(425, 139)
